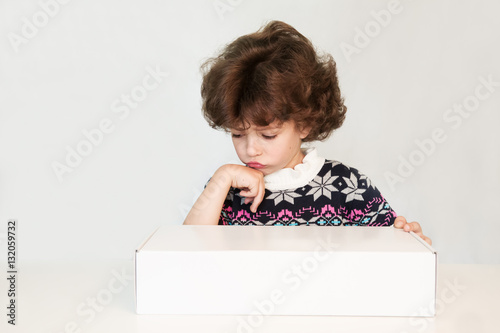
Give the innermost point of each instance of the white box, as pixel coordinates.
(283, 270)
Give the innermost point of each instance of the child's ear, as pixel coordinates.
(305, 132)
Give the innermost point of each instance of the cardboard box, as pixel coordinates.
(273, 270)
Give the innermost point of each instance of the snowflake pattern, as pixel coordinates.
(279, 196)
(352, 190)
(323, 186)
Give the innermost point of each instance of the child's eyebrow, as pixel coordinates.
(259, 128)
(268, 127)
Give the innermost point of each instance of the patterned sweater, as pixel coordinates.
(316, 192)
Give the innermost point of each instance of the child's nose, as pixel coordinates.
(253, 147)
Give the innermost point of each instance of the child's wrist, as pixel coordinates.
(223, 176)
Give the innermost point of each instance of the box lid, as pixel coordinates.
(282, 238)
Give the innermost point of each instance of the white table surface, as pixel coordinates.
(50, 296)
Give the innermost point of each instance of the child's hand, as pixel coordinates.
(401, 223)
(250, 181)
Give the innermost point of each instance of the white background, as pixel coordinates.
(62, 78)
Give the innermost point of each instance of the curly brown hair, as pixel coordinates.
(272, 74)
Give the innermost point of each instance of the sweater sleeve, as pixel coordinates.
(226, 215)
(365, 204)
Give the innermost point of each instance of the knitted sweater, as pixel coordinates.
(316, 192)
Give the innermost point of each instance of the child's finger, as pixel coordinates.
(262, 191)
(415, 227)
(400, 222)
(259, 197)
(427, 239)
(247, 192)
(256, 203)
(248, 200)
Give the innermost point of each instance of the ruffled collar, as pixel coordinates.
(299, 176)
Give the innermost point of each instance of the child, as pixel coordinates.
(272, 92)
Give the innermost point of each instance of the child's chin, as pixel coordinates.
(264, 171)
(267, 172)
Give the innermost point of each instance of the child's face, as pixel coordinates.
(271, 147)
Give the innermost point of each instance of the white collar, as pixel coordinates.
(299, 176)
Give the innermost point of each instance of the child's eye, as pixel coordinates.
(269, 137)
(236, 135)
